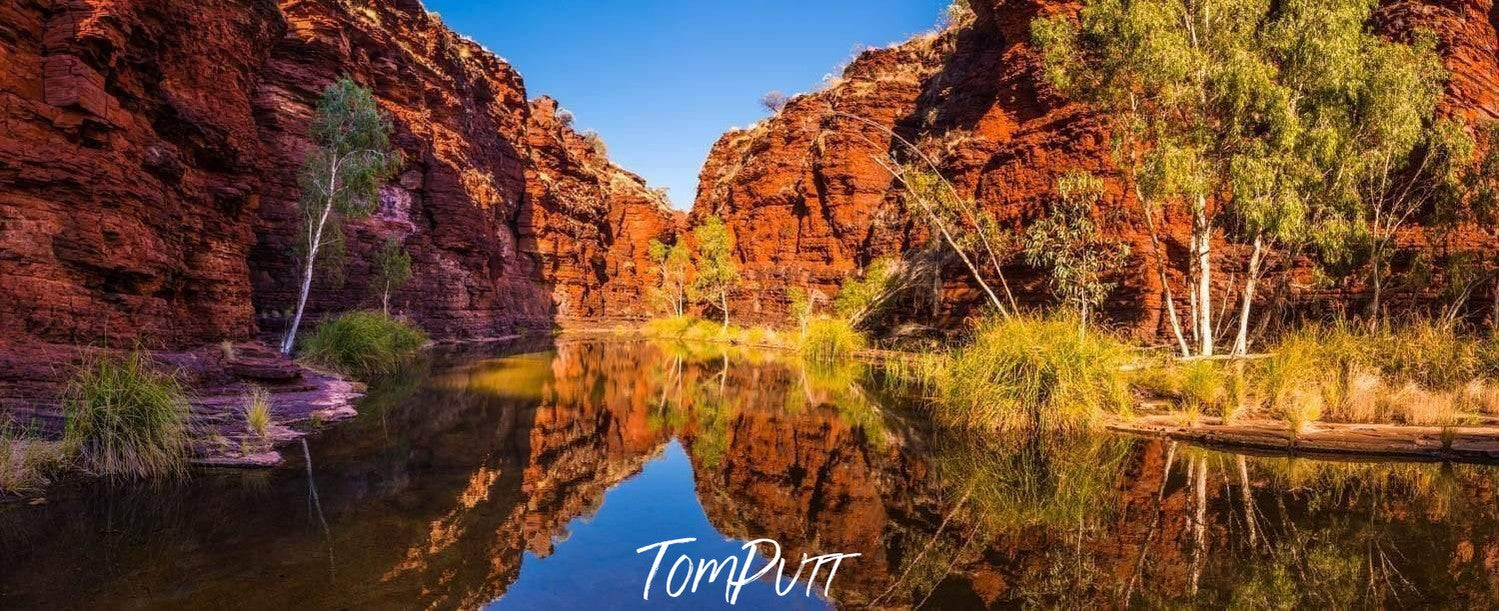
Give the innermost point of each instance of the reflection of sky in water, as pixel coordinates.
(597, 564)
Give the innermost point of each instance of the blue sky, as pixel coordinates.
(660, 80)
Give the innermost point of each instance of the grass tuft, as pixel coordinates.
(26, 462)
(672, 327)
(829, 340)
(258, 412)
(1024, 372)
(125, 419)
(363, 344)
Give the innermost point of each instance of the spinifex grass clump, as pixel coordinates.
(1414, 372)
(364, 344)
(829, 340)
(258, 412)
(26, 461)
(126, 419)
(1024, 372)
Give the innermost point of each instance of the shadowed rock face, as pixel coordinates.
(148, 175)
(809, 204)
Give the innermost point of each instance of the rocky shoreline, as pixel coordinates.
(1469, 444)
(218, 380)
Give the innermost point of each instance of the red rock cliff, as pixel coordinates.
(150, 152)
(589, 221)
(809, 204)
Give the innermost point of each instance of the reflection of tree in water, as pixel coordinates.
(448, 477)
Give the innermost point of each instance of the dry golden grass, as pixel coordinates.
(1479, 396)
(1413, 405)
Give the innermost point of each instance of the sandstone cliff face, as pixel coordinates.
(809, 204)
(589, 221)
(129, 168)
(148, 175)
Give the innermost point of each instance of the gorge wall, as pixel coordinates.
(148, 175)
(810, 204)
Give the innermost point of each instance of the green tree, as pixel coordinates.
(800, 306)
(716, 270)
(1264, 116)
(1069, 243)
(674, 264)
(392, 271)
(340, 177)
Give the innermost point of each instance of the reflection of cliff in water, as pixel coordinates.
(453, 472)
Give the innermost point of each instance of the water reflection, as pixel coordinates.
(475, 476)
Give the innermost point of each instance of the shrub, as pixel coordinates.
(1025, 372)
(672, 327)
(702, 330)
(863, 295)
(774, 101)
(126, 419)
(363, 344)
(829, 340)
(761, 336)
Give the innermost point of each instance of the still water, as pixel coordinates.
(527, 477)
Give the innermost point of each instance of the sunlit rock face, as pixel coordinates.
(807, 200)
(148, 175)
(589, 222)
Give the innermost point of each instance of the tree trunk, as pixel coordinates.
(947, 237)
(1203, 239)
(1377, 286)
(312, 250)
(1241, 342)
(723, 303)
(385, 301)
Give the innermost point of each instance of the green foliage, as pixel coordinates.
(717, 272)
(673, 327)
(363, 344)
(674, 265)
(800, 306)
(1298, 111)
(1069, 243)
(1204, 386)
(125, 419)
(861, 296)
(392, 271)
(340, 178)
(830, 340)
(351, 158)
(1024, 372)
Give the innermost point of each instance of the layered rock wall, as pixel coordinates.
(149, 165)
(807, 197)
(130, 168)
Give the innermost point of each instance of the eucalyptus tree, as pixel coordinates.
(1259, 121)
(392, 271)
(340, 177)
(1069, 243)
(674, 264)
(715, 266)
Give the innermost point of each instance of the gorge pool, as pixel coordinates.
(527, 476)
